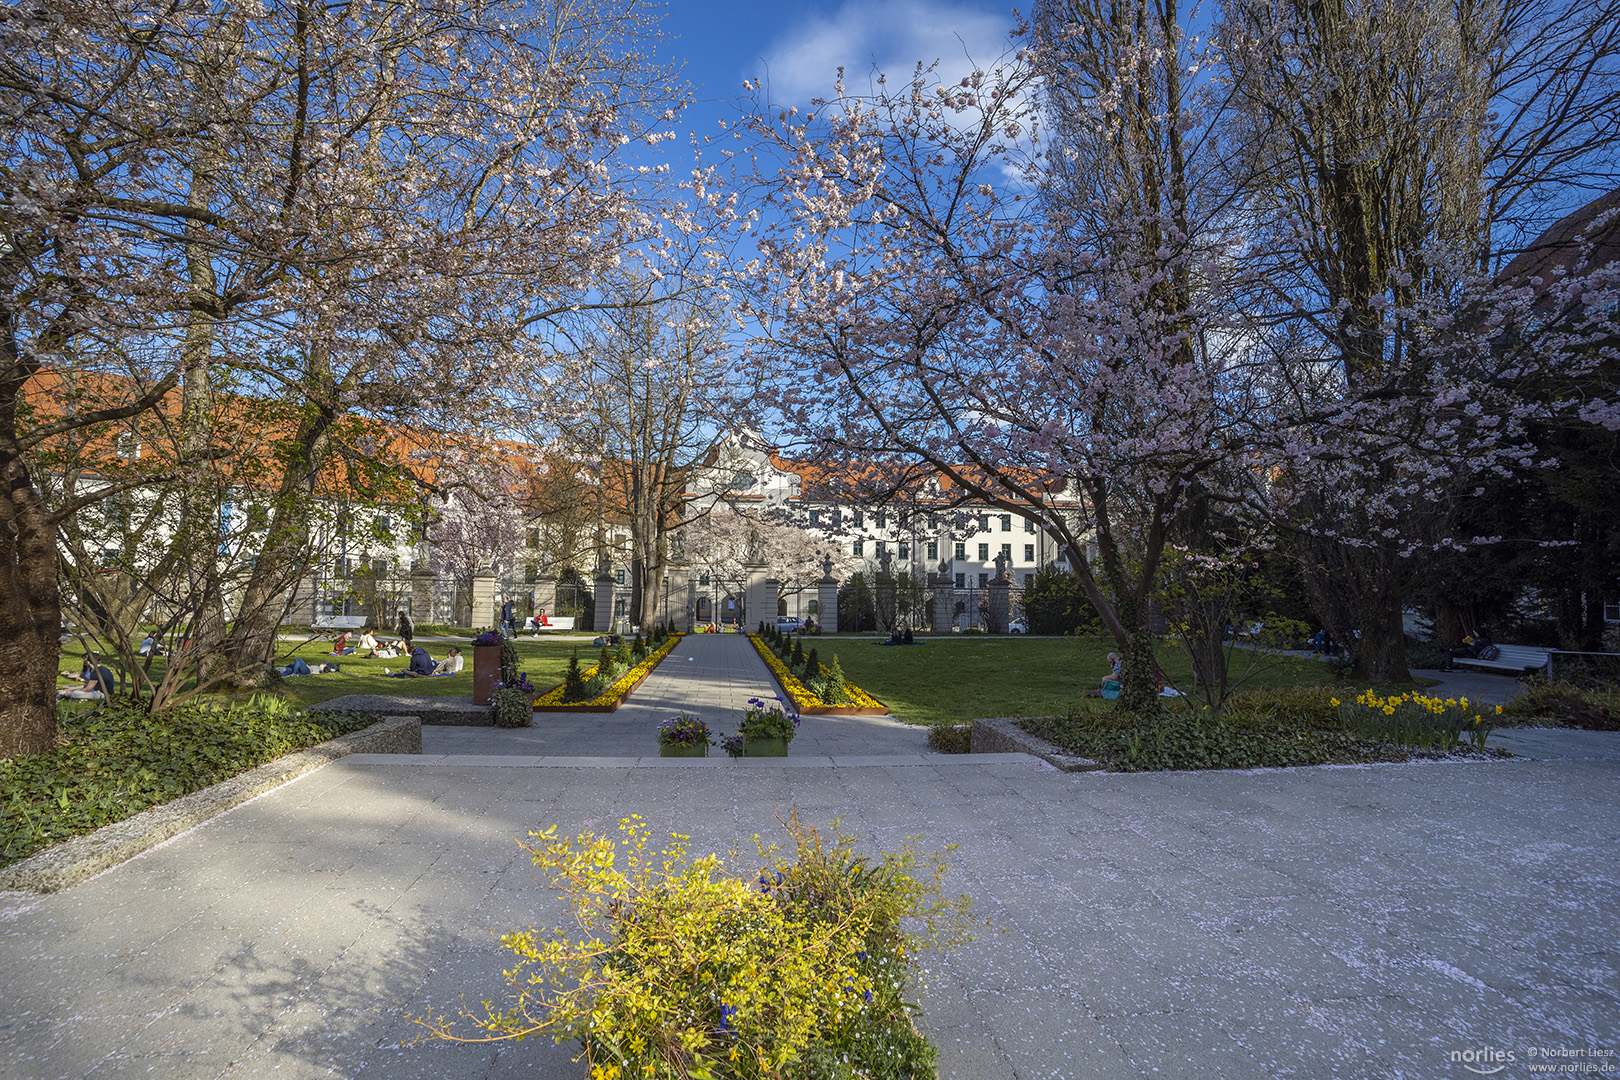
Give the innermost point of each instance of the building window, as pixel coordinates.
(961, 581)
(815, 517)
(1006, 552)
(905, 550)
(1029, 552)
(933, 520)
(529, 574)
(1029, 525)
(860, 547)
(532, 540)
(880, 548)
(1028, 577)
(703, 579)
(984, 581)
(618, 577)
(1006, 523)
(832, 517)
(860, 518)
(933, 550)
(984, 552)
(882, 519)
(961, 551)
(984, 522)
(620, 605)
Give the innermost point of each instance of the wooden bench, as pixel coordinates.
(1514, 659)
(341, 622)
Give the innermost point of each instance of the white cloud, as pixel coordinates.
(893, 35)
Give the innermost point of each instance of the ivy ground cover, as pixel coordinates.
(115, 761)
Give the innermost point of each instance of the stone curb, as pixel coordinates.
(73, 861)
(1002, 735)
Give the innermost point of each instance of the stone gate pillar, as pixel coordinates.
(827, 601)
(421, 599)
(943, 589)
(755, 606)
(545, 595)
(603, 621)
(1000, 603)
(486, 603)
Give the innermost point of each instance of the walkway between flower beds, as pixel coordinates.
(711, 676)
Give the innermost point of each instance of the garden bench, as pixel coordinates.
(341, 622)
(1515, 659)
(553, 622)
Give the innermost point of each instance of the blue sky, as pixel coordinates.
(799, 46)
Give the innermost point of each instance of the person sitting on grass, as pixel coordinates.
(151, 646)
(450, 665)
(422, 666)
(366, 641)
(340, 647)
(99, 682)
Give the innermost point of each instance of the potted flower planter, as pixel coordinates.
(677, 750)
(765, 748)
(486, 670)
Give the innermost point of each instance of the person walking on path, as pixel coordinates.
(405, 630)
(508, 618)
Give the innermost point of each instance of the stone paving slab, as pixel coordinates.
(1338, 922)
(711, 676)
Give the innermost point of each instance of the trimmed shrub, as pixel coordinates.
(574, 688)
(1568, 706)
(835, 692)
(950, 738)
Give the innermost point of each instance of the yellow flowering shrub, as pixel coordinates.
(805, 699)
(684, 971)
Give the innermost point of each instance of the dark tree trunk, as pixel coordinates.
(1380, 652)
(30, 614)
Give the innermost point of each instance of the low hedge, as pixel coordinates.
(1561, 704)
(1255, 729)
(117, 760)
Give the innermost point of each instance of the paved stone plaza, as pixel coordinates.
(1332, 922)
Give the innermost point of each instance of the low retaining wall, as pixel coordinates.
(75, 860)
(1002, 735)
(452, 711)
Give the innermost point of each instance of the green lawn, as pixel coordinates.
(544, 661)
(953, 680)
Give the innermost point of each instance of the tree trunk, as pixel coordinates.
(1380, 652)
(30, 614)
(253, 635)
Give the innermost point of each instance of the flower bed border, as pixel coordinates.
(615, 695)
(803, 700)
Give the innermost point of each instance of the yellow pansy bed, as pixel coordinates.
(613, 696)
(860, 702)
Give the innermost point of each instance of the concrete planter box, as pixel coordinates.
(765, 748)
